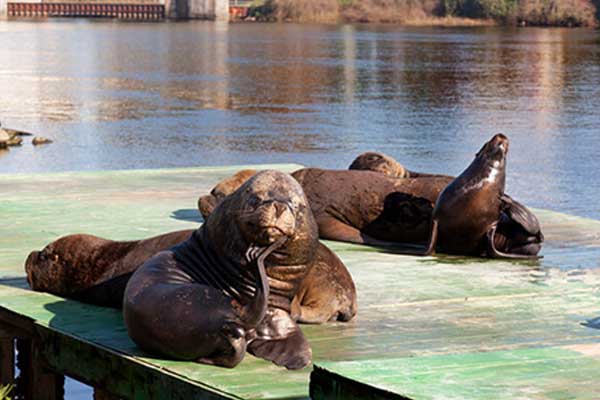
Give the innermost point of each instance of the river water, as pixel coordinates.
(119, 95)
(116, 95)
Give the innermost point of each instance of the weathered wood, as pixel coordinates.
(101, 394)
(7, 361)
(411, 310)
(36, 381)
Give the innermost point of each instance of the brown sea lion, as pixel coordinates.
(367, 207)
(92, 269)
(326, 293)
(467, 212)
(96, 270)
(224, 188)
(165, 305)
(379, 162)
(382, 163)
(518, 230)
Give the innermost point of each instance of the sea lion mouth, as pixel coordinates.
(495, 149)
(269, 221)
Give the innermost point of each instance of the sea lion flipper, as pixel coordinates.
(433, 239)
(291, 352)
(522, 216)
(232, 356)
(495, 253)
(280, 340)
(255, 311)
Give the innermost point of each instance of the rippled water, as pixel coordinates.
(123, 95)
(118, 95)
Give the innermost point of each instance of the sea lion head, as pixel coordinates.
(207, 203)
(63, 265)
(46, 268)
(494, 151)
(229, 185)
(379, 162)
(272, 205)
(268, 206)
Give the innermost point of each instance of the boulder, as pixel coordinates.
(40, 140)
(4, 138)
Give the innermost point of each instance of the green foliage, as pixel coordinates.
(5, 392)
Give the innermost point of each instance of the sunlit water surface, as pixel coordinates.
(119, 95)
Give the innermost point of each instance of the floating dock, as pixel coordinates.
(427, 328)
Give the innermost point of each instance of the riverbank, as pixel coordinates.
(564, 13)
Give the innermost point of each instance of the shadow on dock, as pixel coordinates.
(187, 214)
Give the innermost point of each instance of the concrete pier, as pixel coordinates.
(197, 9)
(3, 9)
(217, 10)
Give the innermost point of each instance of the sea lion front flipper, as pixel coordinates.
(232, 356)
(522, 216)
(106, 294)
(326, 293)
(280, 340)
(495, 253)
(433, 239)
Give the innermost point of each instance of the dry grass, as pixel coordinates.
(396, 11)
(449, 22)
(323, 11)
(434, 12)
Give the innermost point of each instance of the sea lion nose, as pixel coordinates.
(280, 208)
(33, 256)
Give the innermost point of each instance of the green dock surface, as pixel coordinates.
(427, 328)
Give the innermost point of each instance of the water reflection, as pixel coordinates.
(159, 95)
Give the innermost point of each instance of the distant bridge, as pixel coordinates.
(122, 9)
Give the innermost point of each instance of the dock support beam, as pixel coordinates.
(3, 9)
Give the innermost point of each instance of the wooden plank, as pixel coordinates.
(36, 381)
(409, 308)
(535, 373)
(7, 361)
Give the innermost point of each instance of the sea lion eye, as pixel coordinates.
(55, 258)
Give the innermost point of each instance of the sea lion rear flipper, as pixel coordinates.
(522, 216)
(495, 253)
(280, 340)
(326, 292)
(106, 294)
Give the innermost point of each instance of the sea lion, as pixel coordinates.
(518, 229)
(92, 269)
(224, 188)
(389, 210)
(169, 298)
(379, 162)
(384, 164)
(326, 293)
(467, 212)
(95, 270)
(368, 207)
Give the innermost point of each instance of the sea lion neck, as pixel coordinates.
(204, 264)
